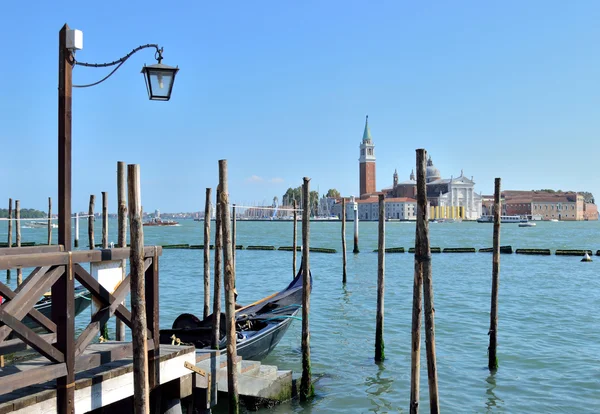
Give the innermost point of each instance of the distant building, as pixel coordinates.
(398, 208)
(567, 206)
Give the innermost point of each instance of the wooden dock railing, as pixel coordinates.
(57, 270)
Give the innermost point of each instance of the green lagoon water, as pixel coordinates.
(549, 329)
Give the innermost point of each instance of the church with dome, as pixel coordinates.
(451, 198)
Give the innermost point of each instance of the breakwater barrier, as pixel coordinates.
(400, 249)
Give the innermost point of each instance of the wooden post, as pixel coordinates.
(10, 231)
(104, 220)
(379, 345)
(295, 241)
(355, 205)
(63, 314)
(344, 241)
(91, 219)
(423, 279)
(492, 356)
(50, 221)
(216, 322)
(233, 236)
(122, 232)
(207, 254)
(306, 387)
(76, 240)
(229, 277)
(18, 239)
(141, 396)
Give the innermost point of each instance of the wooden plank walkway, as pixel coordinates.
(96, 387)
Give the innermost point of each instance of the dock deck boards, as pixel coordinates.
(96, 387)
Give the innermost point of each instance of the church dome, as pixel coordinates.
(432, 173)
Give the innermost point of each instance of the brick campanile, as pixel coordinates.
(366, 163)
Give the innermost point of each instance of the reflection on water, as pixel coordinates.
(492, 400)
(378, 386)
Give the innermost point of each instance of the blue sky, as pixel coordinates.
(280, 89)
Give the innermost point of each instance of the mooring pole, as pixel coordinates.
(122, 232)
(50, 223)
(355, 206)
(422, 254)
(229, 276)
(379, 345)
(207, 253)
(492, 356)
(295, 241)
(10, 231)
(76, 239)
(344, 241)
(104, 220)
(18, 230)
(233, 235)
(91, 219)
(306, 387)
(141, 387)
(216, 328)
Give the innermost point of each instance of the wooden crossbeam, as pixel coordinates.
(110, 301)
(35, 314)
(29, 293)
(102, 316)
(31, 338)
(10, 261)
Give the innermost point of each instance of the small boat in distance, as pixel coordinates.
(527, 224)
(38, 225)
(259, 326)
(503, 219)
(157, 221)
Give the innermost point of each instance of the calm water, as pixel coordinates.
(549, 330)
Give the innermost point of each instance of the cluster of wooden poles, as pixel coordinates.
(224, 269)
(423, 289)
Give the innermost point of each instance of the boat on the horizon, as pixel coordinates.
(503, 219)
(38, 225)
(159, 222)
(527, 224)
(259, 326)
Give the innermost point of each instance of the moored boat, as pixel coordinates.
(259, 326)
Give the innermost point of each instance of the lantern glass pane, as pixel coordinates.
(160, 83)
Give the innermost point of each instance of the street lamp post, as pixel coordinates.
(159, 82)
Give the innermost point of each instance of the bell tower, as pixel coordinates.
(366, 162)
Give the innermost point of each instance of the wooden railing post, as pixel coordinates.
(122, 231)
(152, 317)
(229, 277)
(207, 254)
(63, 291)
(141, 392)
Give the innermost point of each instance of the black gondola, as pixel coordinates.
(259, 326)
